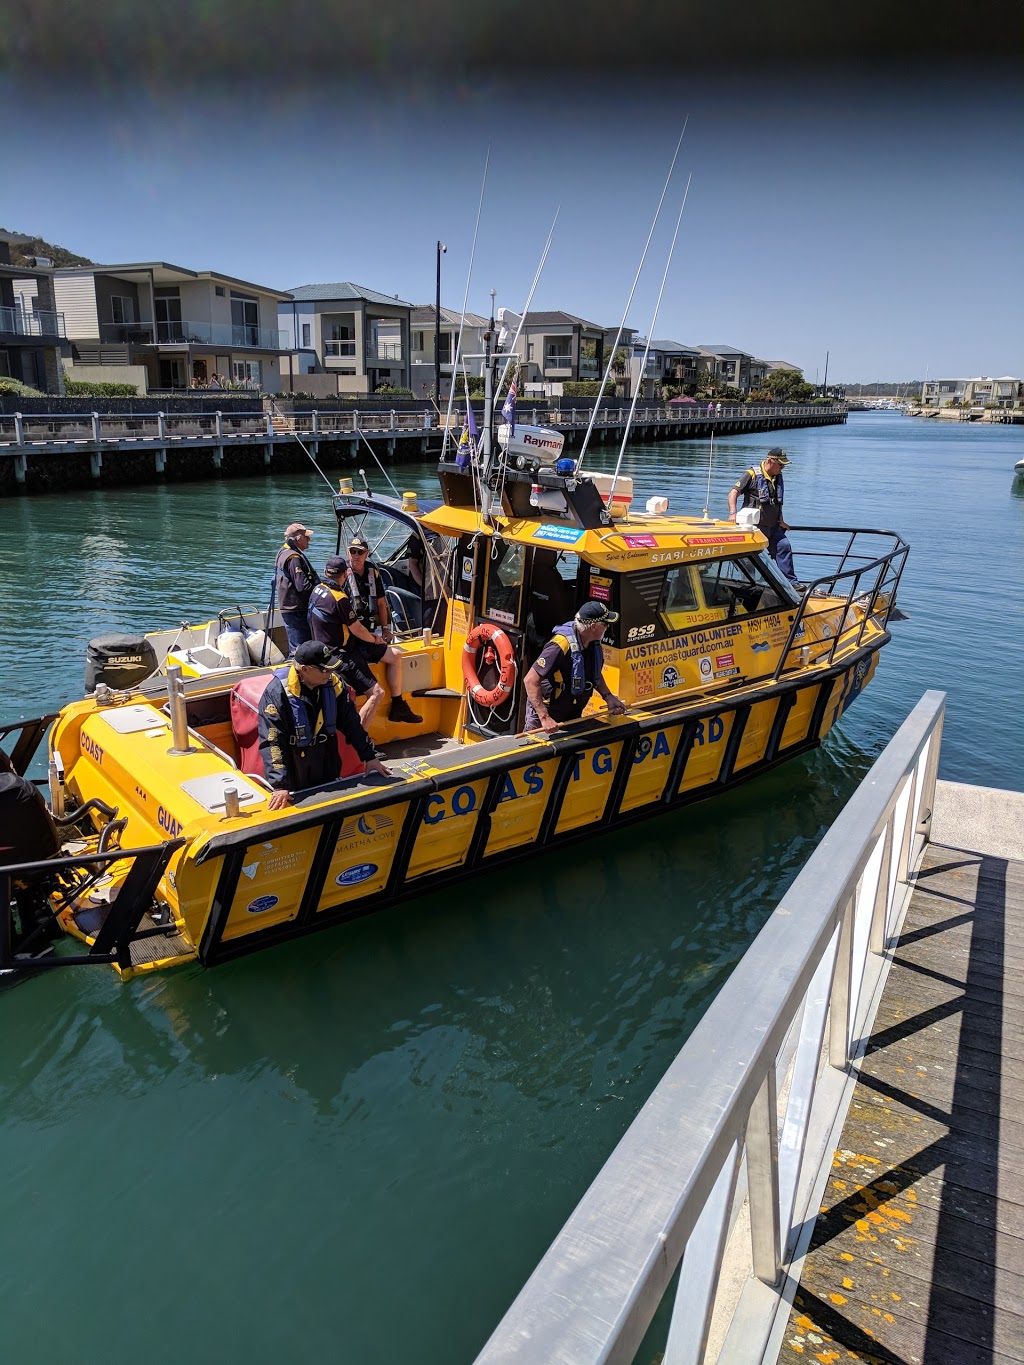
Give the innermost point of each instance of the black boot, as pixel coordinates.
(401, 713)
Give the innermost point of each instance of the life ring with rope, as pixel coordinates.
(494, 642)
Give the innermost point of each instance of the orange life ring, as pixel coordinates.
(486, 634)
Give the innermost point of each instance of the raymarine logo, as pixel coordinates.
(545, 442)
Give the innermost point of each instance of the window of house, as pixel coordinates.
(417, 341)
(122, 308)
(218, 289)
(246, 372)
(307, 339)
(245, 320)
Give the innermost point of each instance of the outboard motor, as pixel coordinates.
(120, 661)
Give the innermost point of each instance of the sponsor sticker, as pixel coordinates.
(724, 661)
(565, 535)
(600, 591)
(352, 876)
(669, 677)
(715, 540)
(261, 905)
(707, 670)
(641, 542)
(644, 682)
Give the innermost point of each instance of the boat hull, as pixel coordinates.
(245, 883)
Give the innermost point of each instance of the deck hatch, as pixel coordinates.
(132, 720)
(209, 790)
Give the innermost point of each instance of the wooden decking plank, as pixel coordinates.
(918, 1255)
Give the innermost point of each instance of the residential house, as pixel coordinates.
(556, 346)
(668, 362)
(356, 335)
(177, 327)
(423, 329)
(725, 365)
(31, 337)
(1004, 392)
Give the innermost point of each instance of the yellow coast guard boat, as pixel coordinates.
(725, 668)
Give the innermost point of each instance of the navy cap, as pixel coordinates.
(336, 564)
(596, 613)
(777, 453)
(317, 654)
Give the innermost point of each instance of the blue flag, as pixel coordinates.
(508, 410)
(467, 447)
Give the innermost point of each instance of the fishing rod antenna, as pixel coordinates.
(707, 495)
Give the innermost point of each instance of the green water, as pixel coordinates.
(357, 1146)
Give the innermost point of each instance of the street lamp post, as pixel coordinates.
(437, 330)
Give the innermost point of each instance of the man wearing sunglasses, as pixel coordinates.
(365, 590)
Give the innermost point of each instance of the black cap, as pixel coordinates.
(336, 564)
(316, 653)
(358, 543)
(777, 453)
(593, 613)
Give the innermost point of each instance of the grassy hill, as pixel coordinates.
(22, 252)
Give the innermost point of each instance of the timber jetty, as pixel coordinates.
(137, 442)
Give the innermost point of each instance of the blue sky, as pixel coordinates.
(873, 215)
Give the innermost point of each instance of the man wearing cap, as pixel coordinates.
(365, 591)
(568, 669)
(294, 580)
(762, 487)
(332, 621)
(303, 708)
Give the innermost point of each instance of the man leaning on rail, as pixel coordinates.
(301, 712)
(568, 669)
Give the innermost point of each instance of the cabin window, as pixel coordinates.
(504, 582)
(739, 585)
(679, 599)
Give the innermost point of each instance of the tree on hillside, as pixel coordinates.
(22, 252)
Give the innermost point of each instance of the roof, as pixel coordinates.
(724, 349)
(665, 346)
(344, 291)
(559, 319)
(450, 317)
(167, 272)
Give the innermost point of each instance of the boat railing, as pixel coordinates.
(66, 880)
(865, 567)
(28, 736)
(748, 1113)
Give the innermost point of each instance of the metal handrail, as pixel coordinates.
(889, 567)
(795, 1013)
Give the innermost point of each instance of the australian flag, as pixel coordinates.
(508, 409)
(465, 453)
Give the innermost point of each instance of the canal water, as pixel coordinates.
(357, 1146)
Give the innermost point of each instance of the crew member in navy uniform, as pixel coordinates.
(762, 486)
(370, 635)
(569, 669)
(301, 711)
(332, 620)
(294, 581)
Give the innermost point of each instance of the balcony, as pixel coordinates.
(384, 352)
(558, 366)
(16, 322)
(226, 336)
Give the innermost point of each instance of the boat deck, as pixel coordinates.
(918, 1255)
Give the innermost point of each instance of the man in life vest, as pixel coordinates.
(301, 711)
(27, 835)
(294, 581)
(762, 487)
(331, 620)
(569, 669)
(370, 633)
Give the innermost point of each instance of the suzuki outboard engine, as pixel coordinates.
(120, 661)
